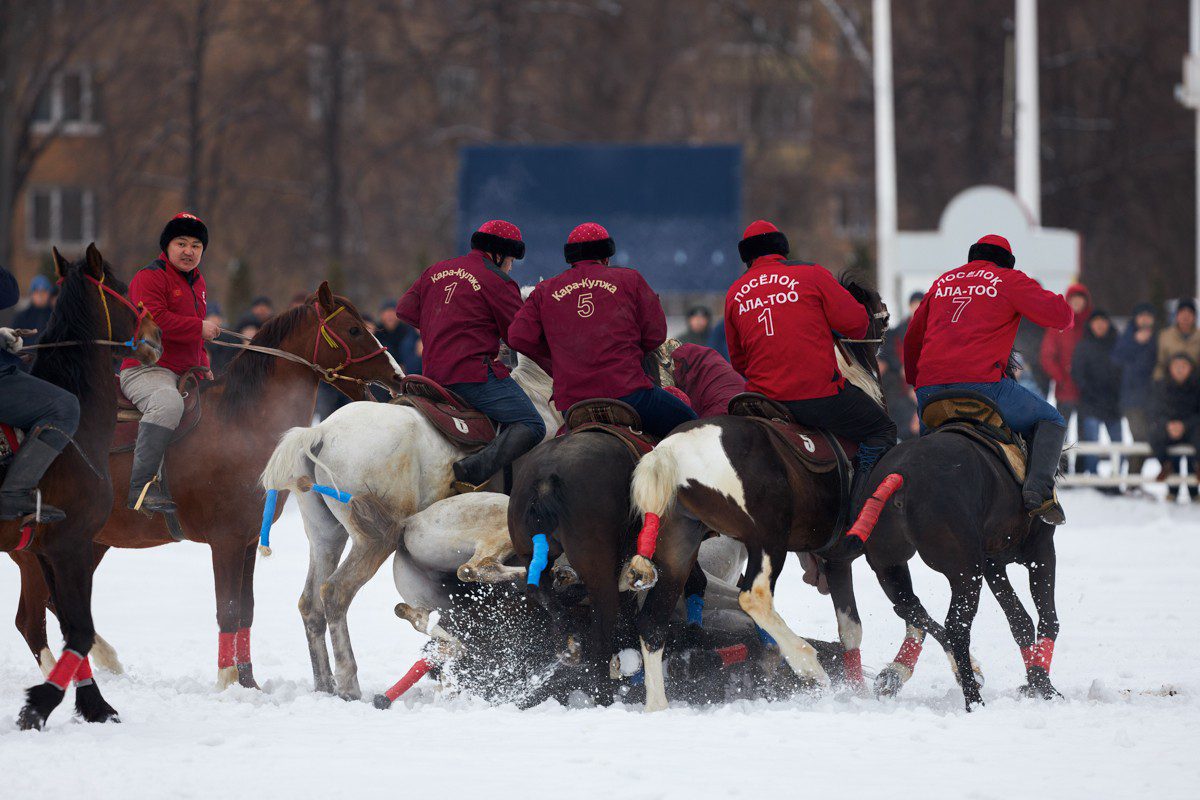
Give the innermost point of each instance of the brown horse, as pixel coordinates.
(213, 468)
(91, 315)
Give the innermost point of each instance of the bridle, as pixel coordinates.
(140, 312)
(873, 330)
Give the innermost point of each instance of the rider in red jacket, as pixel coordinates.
(463, 307)
(960, 338)
(172, 289)
(706, 378)
(779, 321)
(590, 327)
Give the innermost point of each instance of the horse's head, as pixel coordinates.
(90, 292)
(864, 354)
(349, 353)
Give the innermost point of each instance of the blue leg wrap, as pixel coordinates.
(695, 609)
(264, 533)
(541, 555)
(766, 638)
(638, 678)
(329, 491)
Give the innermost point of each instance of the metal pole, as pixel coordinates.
(1188, 93)
(1029, 177)
(885, 156)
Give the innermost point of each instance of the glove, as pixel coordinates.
(10, 341)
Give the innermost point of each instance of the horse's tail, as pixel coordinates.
(547, 507)
(868, 518)
(292, 459)
(655, 485)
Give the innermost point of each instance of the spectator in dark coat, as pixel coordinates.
(1099, 382)
(1175, 416)
(1135, 353)
(717, 340)
(35, 315)
(893, 350)
(699, 323)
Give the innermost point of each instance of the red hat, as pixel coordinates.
(589, 242)
(762, 239)
(500, 237)
(993, 248)
(183, 224)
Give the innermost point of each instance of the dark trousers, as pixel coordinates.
(1160, 441)
(1089, 431)
(29, 403)
(503, 400)
(850, 413)
(661, 411)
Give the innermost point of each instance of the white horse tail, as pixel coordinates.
(656, 481)
(290, 462)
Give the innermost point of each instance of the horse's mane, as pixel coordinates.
(857, 366)
(248, 371)
(75, 319)
(534, 380)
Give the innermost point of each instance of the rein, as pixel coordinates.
(139, 311)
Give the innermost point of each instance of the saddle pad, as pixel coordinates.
(420, 386)
(128, 416)
(465, 428)
(639, 444)
(1011, 454)
(811, 447)
(753, 404)
(603, 411)
(976, 417)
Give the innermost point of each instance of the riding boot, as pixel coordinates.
(472, 472)
(1045, 451)
(148, 455)
(868, 456)
(18, 495)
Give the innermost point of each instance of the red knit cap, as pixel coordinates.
(588, 232)
(588, 242)
(499, 236)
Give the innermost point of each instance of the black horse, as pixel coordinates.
(949, 498)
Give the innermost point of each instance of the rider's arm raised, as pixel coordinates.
(1038, 305)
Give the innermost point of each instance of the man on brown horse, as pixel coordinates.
(463, 308)
(779, 322)
(47, 413)
(172, 289)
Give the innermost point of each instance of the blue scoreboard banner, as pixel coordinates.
(674, 211)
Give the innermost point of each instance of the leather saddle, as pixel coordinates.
(976, 417)
(818, 450)
(612, 417)
(452, 416)
(128, 417)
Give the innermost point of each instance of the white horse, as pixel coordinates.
(394, 463)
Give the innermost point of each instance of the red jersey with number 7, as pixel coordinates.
(964, 329)
(779, 323)
(589, 327)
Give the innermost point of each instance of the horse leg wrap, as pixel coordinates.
(83, 673)
(329, 491)
(537, 563)
(241, 646)
(414, 674)
(852, 663)
(873, 507)
(65, 669)
(695, 609)
(264, 532)
(734, 654)
(910, 651)
(648, 538)
(1039, 654)
(226, 647)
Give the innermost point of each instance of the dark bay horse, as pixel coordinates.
(213, 469)
(724, 474)
(75, 354)
(948, 498)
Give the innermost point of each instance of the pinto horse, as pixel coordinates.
(968, 527)
(90, 316)
(212, 468)
(723, 474)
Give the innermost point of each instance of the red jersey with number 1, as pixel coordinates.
(779, 319)
(964, 329)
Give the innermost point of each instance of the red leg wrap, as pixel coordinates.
(414, 674)
(241, 646)
(734, 654)
(852, 662)
(873, 507)
(1043, 654)
(64, 670)
(225, 649)
(83, 673)
(25, 539)
(910, 651)
(648, 538)
(1027, 655)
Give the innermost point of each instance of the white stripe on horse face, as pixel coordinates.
(701, 458)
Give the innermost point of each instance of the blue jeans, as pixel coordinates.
(660, 410)
(1020, 408)
(502, 400)
(1089, 431)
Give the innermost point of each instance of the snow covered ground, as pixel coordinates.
(1128, 593)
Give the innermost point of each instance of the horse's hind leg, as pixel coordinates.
(758, 602)
(1018, 618)
(896, 582)
(1042, 567)
(841, 589)
(326, 541)
(486, 564)
(964, 602)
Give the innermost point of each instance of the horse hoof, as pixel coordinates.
(888, 683)
(246, 676)
(91, 706)
(564, 577)
(1039, 686)
(40, 700)
(30, 719)
(382, 702)
(466, 574)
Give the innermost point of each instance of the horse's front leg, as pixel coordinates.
(241, 641)
(228, 559)
(759, 603)
(31, 610)
(1042, 565)
(841, 590)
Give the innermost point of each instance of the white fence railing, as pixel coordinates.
(1115, 452)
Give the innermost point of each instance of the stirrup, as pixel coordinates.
(462, 487)
(1050, 512)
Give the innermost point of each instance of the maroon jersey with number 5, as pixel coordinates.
(964, 329)
(462, 307)
(779, 323)
(589, 327)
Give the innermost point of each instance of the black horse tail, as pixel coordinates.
(547, 507)
(868, 518)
